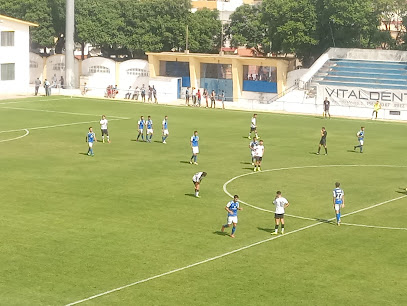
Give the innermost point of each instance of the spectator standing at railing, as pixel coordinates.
(206, 96)
(327, 104)
(136, 93)
(213, 99)
(198, 96)
(62, 82)
(155, 94)
(150, 94)
(222, 98)
(37, 84)
(143, 93)
(187, 92)
(193, 96)
(47, 87)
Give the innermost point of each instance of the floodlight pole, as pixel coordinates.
(69, 44)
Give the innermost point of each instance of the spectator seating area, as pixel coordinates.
(363, 73)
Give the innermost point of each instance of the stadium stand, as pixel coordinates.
(363, 73)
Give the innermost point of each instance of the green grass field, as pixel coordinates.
(74, 226)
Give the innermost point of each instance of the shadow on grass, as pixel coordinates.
(402, 190)
(268, 230)
(245, 163)
(352, 151)
(313, 153)
(246, 168)
(83, 154)
(220, 233)
(157, 141)
(184, 162)
(325, 221)
(190, 195)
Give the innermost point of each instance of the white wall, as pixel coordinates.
(166, 88)
(19, 55)
(97, 82)
(55, 64)
(128, 78)
(36, 72)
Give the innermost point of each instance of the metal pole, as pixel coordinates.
(69, 44)
(186, 40)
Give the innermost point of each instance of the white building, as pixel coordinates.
(14, 55)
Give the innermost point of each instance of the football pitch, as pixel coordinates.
(124, 228)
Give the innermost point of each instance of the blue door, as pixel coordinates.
(179, 89)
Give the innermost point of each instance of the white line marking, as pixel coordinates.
(53, 126)
(26, 133)
(375, 226)
(24, 100)
(224, 254)
(58, 112)
(291, 168)
(192, 265)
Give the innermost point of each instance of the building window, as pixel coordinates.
(33, 64)
(260, 73)
(7, 38)
(58, 67)
(8, 72)
(216, 71)
(137, 71)
(99, 69)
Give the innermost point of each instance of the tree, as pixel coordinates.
(247, 29)
(37, 11)
(204, 31)
(99, 22)
(291, 25)
(154, 25)
(351, 23)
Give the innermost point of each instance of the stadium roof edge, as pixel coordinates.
(31, 24)
(215, 55)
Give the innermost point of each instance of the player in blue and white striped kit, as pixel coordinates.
(338, 201)
(165, 129)
(140, 125)
(195, 148)
(361, 137)
(90, 139)
(150, 132)
(232, 207)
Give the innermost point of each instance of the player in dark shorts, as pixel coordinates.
(326, 108)
(322, 142)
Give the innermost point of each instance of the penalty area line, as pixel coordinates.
(225, 254)
(375, 226)
(24, 100)
(57, 112)
(53, 126)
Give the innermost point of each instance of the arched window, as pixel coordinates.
(58, 66)
(99, 69)
(33, 64)
(137, 71)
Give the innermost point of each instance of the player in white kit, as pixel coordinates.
(252, 146)
(103, 128)
(258, 156)
(281, 204)
(196, 179)
(253, 127)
